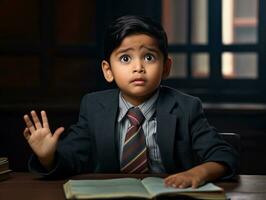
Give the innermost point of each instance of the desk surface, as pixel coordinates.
(28, 186)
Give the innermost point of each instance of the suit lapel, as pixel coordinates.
(166, 129)
(106, 138)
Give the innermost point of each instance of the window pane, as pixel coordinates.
(75, 21)
(174, 20)
(240, 18)
(179, 67)
(19, 72)
(239, 65)
(199, 26)
(200, 65)
(19, 22)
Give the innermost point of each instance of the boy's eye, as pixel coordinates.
(125, 58)
(149, 57)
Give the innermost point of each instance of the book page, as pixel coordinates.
(109, 188)
(155, 186)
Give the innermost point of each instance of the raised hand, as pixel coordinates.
(40, 137)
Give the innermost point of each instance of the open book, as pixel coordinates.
(148, 188)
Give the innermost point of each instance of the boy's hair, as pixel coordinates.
(129, 25)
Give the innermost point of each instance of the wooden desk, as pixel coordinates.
(26, 186)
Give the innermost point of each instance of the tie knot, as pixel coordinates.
(135, 116)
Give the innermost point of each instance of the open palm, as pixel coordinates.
(40, 137)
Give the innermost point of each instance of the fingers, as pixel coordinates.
(169, 181)
(178, 181)
(172, 182)
(185, 184)
(29, 124)
(44, 119)
(58, 132)
(195, 184)
(26, 133)
(35, 123)
(36, 120)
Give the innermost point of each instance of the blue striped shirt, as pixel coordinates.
(149, 127)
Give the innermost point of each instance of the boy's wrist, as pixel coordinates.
(210, 171)
(47, 162)
(200, 173)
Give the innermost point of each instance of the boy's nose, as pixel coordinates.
(138, 67)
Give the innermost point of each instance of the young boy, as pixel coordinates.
(174, 128)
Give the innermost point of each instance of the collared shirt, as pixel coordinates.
(149, 127)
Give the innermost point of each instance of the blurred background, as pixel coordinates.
(51, 50)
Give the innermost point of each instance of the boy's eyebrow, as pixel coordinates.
(150, 49)
(123, 50)
(141, 47)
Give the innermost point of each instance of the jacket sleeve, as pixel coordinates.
(208, 144)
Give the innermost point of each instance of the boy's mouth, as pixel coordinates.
(138, 81)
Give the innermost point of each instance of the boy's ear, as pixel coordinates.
(107, 72)
(167, 67)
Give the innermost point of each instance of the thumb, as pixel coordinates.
(58, 132)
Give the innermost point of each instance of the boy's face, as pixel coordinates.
(137, 66)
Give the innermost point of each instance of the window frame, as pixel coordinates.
(215, 88)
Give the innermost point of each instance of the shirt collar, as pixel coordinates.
(147, 107)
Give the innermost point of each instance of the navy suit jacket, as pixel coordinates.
(91, 145)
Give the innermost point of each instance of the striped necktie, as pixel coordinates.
(134, 156)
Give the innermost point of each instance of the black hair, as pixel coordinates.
(129, 25)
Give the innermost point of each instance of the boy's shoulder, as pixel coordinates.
(166, 92)
(178, 95)
(101, 96)
(102, 93)
(173, 98)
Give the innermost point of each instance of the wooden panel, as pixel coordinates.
(75, 73)
(19, 21)
(75, 21)
(19, 72)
